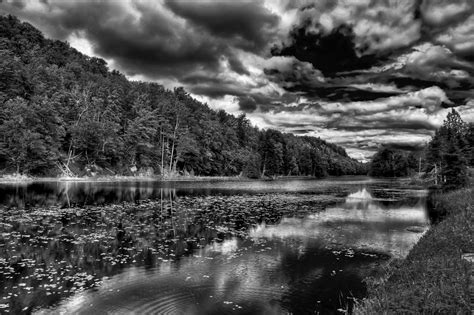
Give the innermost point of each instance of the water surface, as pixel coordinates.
(67, 193)
(295, 246)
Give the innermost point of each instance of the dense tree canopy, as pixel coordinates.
(449, 152)
(388, 162)
(446, 157)
(62, 112)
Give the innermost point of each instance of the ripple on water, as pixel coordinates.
(152, 291)
(206, 254)
(177, 302)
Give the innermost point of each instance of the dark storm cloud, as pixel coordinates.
(248, 23)
(339, 37)
(362, 123)
(343, 93)
(247, 104)
(148, 45)
(357, 73)
(329, 53)
(297, 76)
(213, 86)
(236, 65)
(253, 101)
(148, 39)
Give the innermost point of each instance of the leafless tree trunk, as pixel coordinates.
(162, 149)
(173, 144)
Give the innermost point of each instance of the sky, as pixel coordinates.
(358, 73)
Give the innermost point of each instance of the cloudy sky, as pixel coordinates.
(358, 73)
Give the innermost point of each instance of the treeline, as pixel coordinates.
(64, 113)
(450, 152)
(389, 162)
(445, 159)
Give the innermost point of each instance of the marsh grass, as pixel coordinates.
(433, 279)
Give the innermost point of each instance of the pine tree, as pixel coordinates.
(449, 152)
(455, 173)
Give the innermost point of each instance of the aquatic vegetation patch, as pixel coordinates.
(48, 254)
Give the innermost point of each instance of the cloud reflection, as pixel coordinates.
(360, 223)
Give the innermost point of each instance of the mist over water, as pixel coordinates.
(254, 247)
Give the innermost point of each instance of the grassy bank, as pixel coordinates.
(433, 278)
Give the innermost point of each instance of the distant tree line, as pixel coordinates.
(390, 162)
(446, 158)
(64, 113)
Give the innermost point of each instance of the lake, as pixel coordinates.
(239, 247)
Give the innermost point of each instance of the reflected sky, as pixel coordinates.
(68, 193)
(269, 277)
(360, 223)
(305, 263)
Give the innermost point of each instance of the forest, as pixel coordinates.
(446, 158)
(63, 113)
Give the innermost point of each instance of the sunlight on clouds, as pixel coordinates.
(396, 66)
(365, 224)
(438, 13)
(79, 42)
(377, 87)
(363, 132)
(227, 103)
(459, 37)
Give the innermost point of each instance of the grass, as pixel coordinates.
(433, 279)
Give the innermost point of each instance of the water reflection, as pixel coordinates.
(361, 222)
(197, 254)
(257, 278)
(68, 193)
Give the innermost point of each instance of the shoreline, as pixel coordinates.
(9, 179)
(26, 180)
(434, 277)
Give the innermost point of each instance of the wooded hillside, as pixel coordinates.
(64, 113)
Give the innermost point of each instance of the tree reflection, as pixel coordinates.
(51, 253)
